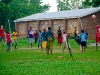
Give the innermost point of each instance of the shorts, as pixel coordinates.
(83, 44)
(59, 40)
(14, 41)
(30, 40)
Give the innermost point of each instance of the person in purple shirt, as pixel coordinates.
(30, 37)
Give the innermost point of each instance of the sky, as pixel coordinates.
(52, 3)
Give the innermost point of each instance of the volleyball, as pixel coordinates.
(93, 16)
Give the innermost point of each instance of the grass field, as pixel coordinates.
(32, 61)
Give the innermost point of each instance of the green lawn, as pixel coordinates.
(23, 61)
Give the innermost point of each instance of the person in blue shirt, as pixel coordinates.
(44, 35)
(50, 39)
(44, 39)
(40, 39)
(30, 37)
(83, 37)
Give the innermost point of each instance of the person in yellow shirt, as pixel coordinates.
(14, 38)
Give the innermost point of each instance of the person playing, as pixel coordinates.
(97, 35)
(86, 37)
(64, 36)
(40, 39)
(44, 38)
(2, 34)
(83, 40)
(76, 36)
(50, 39)
(59, 32)
(8, 41)
(14, 38)
(36, 36)
(30, 36)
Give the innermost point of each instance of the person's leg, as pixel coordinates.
(16, 46)
(0, 41)
(51, 51)
(31, 45)
(31, 41)
(60, 45)
(8, 46)
(12, 42)
(35, 40)
(4, 40)
(82, 49)
(64, 46)
(47, 51)
(96, 45)
(38, 45)
(85, 46)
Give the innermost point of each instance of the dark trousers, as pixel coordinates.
(8, 46)
(35, 40)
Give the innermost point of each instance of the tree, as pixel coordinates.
(68, 4)
(15, 9)
(91, 3)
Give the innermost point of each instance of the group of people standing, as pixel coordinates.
(44, 39)
(8, 37)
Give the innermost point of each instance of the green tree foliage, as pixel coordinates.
(68, 4)
(15, 9)
(91, 3)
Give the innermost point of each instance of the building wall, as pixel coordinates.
(22, 29)
(66, 25)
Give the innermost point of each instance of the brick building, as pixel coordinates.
(66, 19)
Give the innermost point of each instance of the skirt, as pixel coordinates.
(44, 44)
(49, 43)
(59, 40)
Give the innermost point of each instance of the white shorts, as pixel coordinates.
(30, 40)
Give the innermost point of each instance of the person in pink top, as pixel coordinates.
(8, 41)
(64, 36)
(2, 34)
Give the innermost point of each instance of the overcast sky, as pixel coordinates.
(52, 3)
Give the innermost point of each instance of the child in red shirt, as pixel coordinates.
(8, 40)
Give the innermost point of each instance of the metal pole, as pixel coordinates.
(69, 50)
